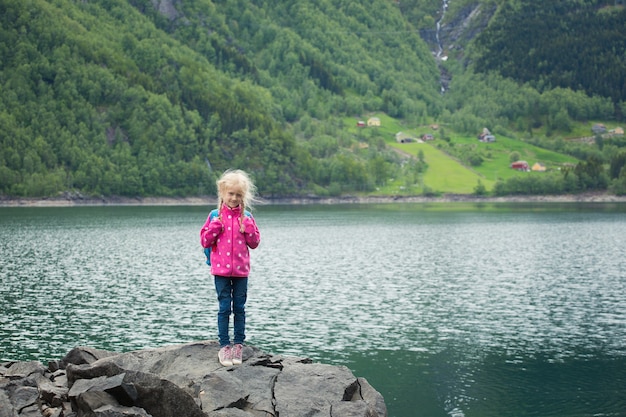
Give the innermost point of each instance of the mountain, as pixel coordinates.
(157, 97)
(569, 44)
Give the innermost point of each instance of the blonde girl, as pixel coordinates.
(229, 235)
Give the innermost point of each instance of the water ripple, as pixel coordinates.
(437, 296)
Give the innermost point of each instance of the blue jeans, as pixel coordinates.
(231, 293)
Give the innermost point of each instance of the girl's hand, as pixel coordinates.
(216, 225)
(247, 225)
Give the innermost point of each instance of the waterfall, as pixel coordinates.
(444, 7)
(440, 56)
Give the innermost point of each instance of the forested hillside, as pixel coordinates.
(157, 97)
(569, 44)
(97, 99)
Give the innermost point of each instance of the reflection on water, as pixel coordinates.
(448, 310)
(420, 281)
(448, 384)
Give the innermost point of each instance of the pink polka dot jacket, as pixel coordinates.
(230, 256)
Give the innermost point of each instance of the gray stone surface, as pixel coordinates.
(183, 380)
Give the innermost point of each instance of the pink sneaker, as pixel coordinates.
(237, 354)
(225, 356)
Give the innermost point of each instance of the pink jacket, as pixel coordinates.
(230, 256)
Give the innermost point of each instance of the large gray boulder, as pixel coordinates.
(183, 381)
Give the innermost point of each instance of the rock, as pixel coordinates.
(468, 22)
(79, 356)
(334, 387)
(52, 393)
(24, 369)
(19, 392)
(112, 411)
(166, 7)
(6, 407)
(183, 380)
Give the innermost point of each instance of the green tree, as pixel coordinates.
(480, 189)
(618, 161)
(514, 156)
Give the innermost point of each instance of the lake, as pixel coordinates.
(447, 309)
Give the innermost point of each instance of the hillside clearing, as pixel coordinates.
(444, 174)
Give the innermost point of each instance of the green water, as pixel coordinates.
(446, 309)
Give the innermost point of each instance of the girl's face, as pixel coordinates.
(232, 196)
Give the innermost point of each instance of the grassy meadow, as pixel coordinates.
(447, 174)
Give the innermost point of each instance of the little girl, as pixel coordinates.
(229, 234)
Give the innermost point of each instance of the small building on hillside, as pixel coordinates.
(598, 128)
(360, 123)
(619, 131)
(486, 136)
(427, 137)
(402, 137)
(373, 121)
(520, 166)
(538, 167)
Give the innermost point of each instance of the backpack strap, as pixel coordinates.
(207, 251)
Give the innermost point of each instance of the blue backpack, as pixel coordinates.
(213, 214)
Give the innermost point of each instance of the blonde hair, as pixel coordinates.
(236, 179)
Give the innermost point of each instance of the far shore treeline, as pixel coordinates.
(104, 98)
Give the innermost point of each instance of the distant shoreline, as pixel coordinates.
(210, 201)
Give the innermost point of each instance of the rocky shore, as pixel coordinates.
(77, 200)
(183, 381)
